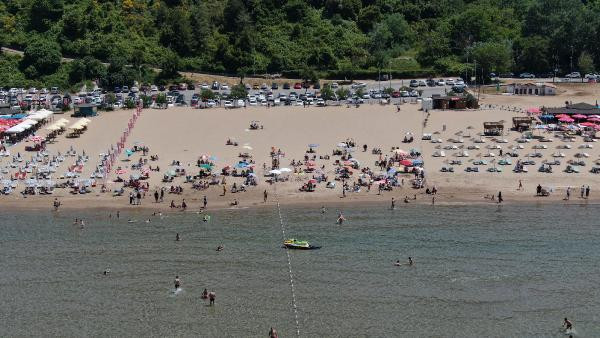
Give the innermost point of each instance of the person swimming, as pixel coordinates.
(106, 272)
(323, 209)
(220, 248)
(397, 263)
(177, 283)
(205, 218)
(410, 261)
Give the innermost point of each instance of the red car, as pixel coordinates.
(396, 94)
(297, 85)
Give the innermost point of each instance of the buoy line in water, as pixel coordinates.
(289, 260)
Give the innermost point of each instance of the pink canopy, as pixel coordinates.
(587, 124)
(560, 116)
(534, 110)
(593, 119)
(406, 163)
(579, 116)
(566, 119)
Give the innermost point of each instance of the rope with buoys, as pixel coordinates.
(289, 260)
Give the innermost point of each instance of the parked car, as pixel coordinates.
(573, 75)
(297, 85)
(422, 83)
(286, 86)
(274, 85)
(526, 76)
(441, 82)
(430, 83)
(414, 83)
(317, 86)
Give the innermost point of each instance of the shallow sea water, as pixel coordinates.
(480, 271)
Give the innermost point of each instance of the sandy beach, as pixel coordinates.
(185, 134)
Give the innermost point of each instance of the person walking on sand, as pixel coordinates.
(393, 207)
(587, 192)
(162, 194)
(155, 196)
(500, 197)
(204, 201)
(433, 200)
(582, 190)
(520, 185)
(183, 205)
(568, 193)
(265, 194)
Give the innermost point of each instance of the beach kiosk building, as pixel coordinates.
(493, 128)
(85, 110)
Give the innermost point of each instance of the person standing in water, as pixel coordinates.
(393, 204)
(205, 201)
(211, 297)
(177, 238)
(567, 324)
(410, 261)
(323, 209)
(340, 218)
(265, 195)
(56, 204)
(273, 333)
(177, 283)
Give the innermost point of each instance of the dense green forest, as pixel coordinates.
(335, 38)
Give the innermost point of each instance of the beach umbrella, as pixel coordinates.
(206, 166)
(342, 145)
(247, 147)
(275, 172)
(593, 119)
(392, 172)
(546, 117)
(400, 152)
(406, 163)
(310, 163)
(417, 162)
(120, 171)
(285, 170)
(313, 145)
(587, 124)
(566, 119)
(241, 165)
(579, 116)
(534, 110)
(561, 116)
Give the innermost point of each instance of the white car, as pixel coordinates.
(154, 88)
(224, 86)
(135, 89)
(441, 82)
(32, 90)
(228, 104)
(240, 103)
(320, 102)
(44, 91)
(450, 82)
(366, 96)
(204, 86)
(252, 101)
(211, 103)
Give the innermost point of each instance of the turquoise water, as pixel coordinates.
(513, 271)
